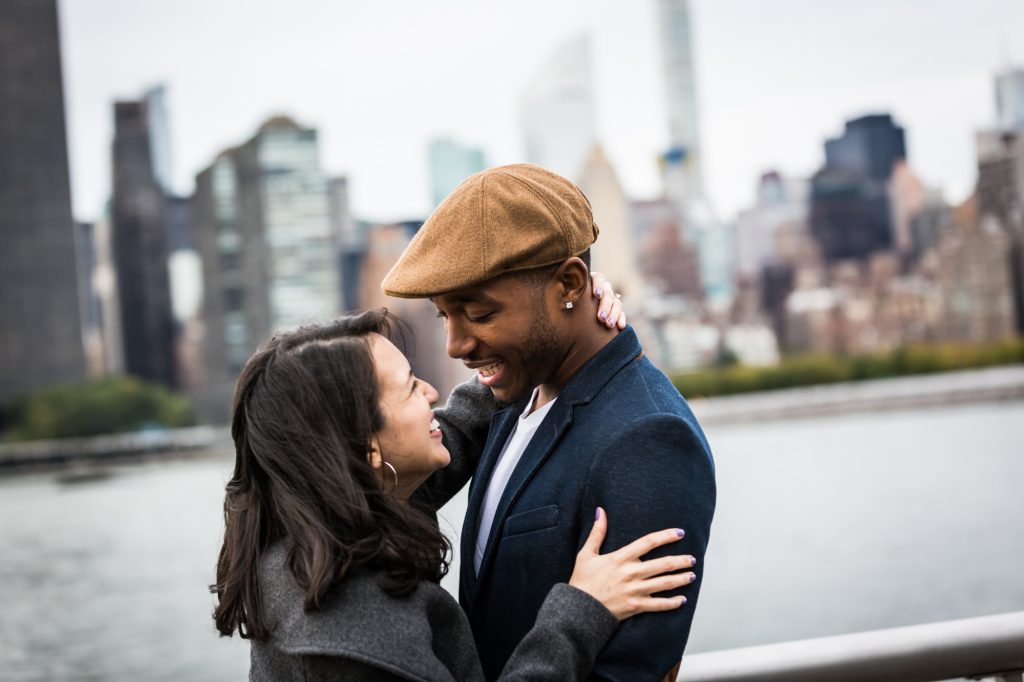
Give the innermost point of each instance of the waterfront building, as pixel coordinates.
(668, 261)
(350, 241)
(558, 112)
(850, 211)
(974, 273)
(929, 223)
(104, 286)
(1000, 195)
(268, 246)
(1010, 99)
(450, 164)
(775, 229)
(907, 196)
(38, 283)
(139, 220)
(88, 298)
(614, 253)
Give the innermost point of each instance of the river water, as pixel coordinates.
(824, 526)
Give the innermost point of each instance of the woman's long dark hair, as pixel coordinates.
(305, 409)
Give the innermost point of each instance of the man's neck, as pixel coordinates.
(579, 353)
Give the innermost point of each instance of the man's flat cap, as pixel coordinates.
(500, 220)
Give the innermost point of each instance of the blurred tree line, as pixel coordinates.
(111, 405)
(806, 370)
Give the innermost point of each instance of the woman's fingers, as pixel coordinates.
(607, 299)
(597, 533)
(648, 604)
(664, 564)
(664, 583)
(651, 541)
(615, 313)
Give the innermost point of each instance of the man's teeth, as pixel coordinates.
(434, 425)
(490, 370)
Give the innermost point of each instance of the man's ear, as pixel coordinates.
(373, 457)
(573, 279)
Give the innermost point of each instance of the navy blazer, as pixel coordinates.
(621, 437)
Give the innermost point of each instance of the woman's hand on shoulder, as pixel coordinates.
(609, 306)
(625, 583)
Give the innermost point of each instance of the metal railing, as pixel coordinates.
(976, 648)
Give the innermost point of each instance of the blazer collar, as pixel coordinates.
(581, 389)
(606, 363)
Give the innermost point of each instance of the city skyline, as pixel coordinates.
(774, 82)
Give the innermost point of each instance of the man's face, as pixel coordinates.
(503, 329)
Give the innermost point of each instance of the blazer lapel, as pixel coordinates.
(541, 446)
(501, 427)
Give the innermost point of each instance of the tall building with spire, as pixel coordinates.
(557, 110)
(682, 160)
(40, 320)
(681, 163)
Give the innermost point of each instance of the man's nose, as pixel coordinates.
(459, 344)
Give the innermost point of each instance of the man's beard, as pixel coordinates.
(540, 351)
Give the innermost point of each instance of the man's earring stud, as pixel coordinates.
(568, 305)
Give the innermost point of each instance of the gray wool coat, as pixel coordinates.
(365, 635)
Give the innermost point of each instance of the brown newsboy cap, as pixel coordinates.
(500, 220)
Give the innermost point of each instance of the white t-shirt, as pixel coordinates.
(520, 437)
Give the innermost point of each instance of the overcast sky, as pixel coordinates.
(379, 79)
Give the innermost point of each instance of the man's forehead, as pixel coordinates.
(485, 292)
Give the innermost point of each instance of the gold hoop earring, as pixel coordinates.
(393, 473)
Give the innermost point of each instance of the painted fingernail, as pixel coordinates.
(598, 292)
(611, 322)
(693, 576)
(680, 532)
(693, 561)
(597, 513)
(602, 314)
(684, 600)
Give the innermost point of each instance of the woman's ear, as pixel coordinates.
(373, 457)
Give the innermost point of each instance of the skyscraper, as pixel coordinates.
(558, 117)
(682, 160)
(870, 146)
(681, 163)
(450, 164)
(40, 328)
(1010, 99)
(269, 248)
(139, 219)
(850, 209)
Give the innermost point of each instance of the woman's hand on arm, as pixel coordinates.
(624, 582)
(609, 307)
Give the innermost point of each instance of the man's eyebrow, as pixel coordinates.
(469, 297)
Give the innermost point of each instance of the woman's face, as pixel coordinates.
(411, 439)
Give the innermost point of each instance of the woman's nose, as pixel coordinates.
(430, 393)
